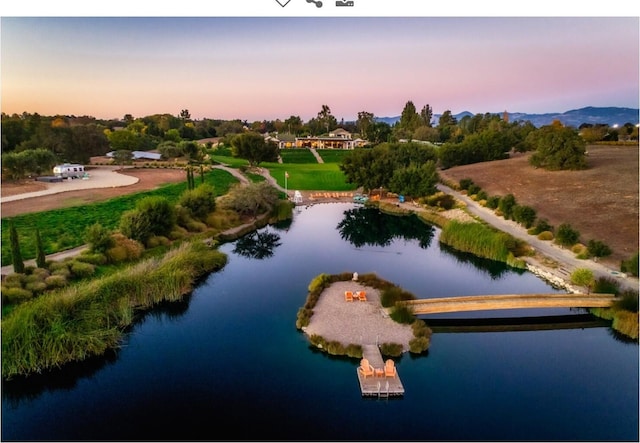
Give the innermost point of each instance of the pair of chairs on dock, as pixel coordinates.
(360, 295)
(367, 370)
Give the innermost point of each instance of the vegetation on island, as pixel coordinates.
(391, 296)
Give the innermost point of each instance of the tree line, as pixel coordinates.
(32, 144)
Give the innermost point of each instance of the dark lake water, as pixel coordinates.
(229, 364)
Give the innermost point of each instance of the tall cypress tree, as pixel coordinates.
(40, 257)
(16, 255)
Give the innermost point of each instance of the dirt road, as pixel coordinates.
(564, 257)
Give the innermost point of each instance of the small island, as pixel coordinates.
(341, 326)
(363, 317)
(355, 321)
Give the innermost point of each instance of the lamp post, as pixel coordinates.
(286, 176)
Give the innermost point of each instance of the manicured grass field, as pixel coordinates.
(64, 228)
(305, 173)
(299, 156)
(228, 160)
(310, 177)
(333, 155)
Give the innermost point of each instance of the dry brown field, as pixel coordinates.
(600, 202)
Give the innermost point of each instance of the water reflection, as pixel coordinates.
(368, 226)
(258, 245)
(20, 390)
(494, 268)
(511, 324)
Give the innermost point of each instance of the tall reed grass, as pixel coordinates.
(477, 239)
(89, 318)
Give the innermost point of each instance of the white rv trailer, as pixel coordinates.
(67, 170)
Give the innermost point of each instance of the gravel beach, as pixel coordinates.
(355, 322)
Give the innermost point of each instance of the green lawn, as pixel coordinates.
(333, 155)
(64, 228)
(227, 160)
(298, 156)
(305, 173)
(310, 177)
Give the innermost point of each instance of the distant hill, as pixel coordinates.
(608, 116)
(575, 117)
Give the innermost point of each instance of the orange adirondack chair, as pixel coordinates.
(348, 295)
(390, 368)
(362, 295)
(365, 368)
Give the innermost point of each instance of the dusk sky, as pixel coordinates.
(270, 68)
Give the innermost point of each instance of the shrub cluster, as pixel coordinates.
(392, 294)
(20, 287)
(402, 313)
(566, 235)
(630, 266)
(391, 349)
(441, 200)
(422, 337)
(86, 319)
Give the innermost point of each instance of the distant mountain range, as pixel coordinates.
(575, 117)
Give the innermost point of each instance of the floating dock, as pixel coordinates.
(378, 385)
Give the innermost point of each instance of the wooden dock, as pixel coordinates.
(378, 385)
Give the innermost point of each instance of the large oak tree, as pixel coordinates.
(253, 147)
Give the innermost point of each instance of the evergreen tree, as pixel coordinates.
(40, 257)
(16, 255)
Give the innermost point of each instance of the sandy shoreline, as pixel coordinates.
(355, 322)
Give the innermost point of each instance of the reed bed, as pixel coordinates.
(477, 239)
(89, 318)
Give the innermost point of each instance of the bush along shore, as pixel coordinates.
(71, 310)
(391, 296)
(91, 317)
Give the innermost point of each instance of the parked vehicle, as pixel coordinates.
(69, 170)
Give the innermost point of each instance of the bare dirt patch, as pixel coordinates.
(149, 179)
(600, 202)
(21, 187)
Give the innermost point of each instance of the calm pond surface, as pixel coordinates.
(229, 364)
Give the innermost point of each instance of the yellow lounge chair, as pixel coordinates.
(390, 368)
(365, 368)
(362, 295)
(348, 295)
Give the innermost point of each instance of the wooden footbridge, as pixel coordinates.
(508, 301)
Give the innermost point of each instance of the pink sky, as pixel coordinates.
(269, 68)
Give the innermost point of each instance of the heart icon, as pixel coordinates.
(283, 3)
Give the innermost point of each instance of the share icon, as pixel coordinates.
(317, 2)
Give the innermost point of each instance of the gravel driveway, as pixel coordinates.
(102, 177)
